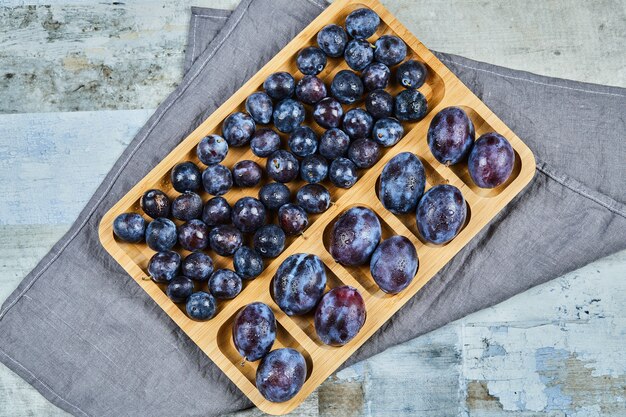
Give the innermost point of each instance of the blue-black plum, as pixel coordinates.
(155, 203)
(216, 211)
(292, 219)
(358, 123)
(225, 284)
(254, 331)
(238, 129)
(281, 374)
(193, 235)
(212, 149)
(303, 141)
(451, 136)
(274, 195)
(161, 234)
(340, 315)
(288, 115)
(282, 166)
(186, 176)
(217, 180)
(402, 183)
(311, 60)
(247, 173)
(299, 283)
(411, 74)
(358, 54)
(390, 50)
(328, 113)
(314, 198)
(225, 239)
(197, 266)
(364, 152)
(201, 306)
(164, 266)
(248, 263)
(379, 104)
(179, 289)
(334, 143)
(130, 227)
(264, 142)
(332, 39)
(441, 214)
(491, 160)
(410, 106)
(187, 206)
(269, 241)
(279, 85)
(314, 169)
(376, 76)
(354, 236)
(362, 23)
(343, 173)
(346, 87)
(310, 89)
(394, 263)
(387, 132)
(260, 107)
(248, 214)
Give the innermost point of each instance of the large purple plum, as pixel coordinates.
(450, 135)
(254, 331)
(281, 374)
(441, 214)
(299, 283)
(402, 183)
(340, 316)
(355, 236)
(491, 160)
(394, 263)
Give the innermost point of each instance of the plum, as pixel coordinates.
(310, 89)
(299, 283)
(164, 266)
(282, 166)
(390, 50)
(288, 115)
(364, 152)
(225, 284)
(155, 203)
(279, 85)
(212, 149)
(292, 219)
(216, 211)
(314, 198)
(260, 107)
(332, 39)
(376, 76)
(225, 239)
(161, 234)
(303, 141)
(346, 87)
(358, 123)
(394, 263)
(238, 129)
(343, 173)
(197, 266)
(491, 160)
(411, 74)
(410, 106)
(358, 54)
(441, 214)
(248, 214)
(281, 374)
(340, 315)
(201, 306)
(334, 143)
(274, 195)
(402, 183)
(450, 135)
(264, 142)
(387, 132)
(311, 60)
(248, 263)
(129, 227)
(186, 176)
(379, 104)
(217, 180)
(247, 173)
(269, 241)
(354, 236)
(314, 169)
(193, 235)
(254, 331)
(328, 113)
(187, 206)
(179, 289)
(362, 23)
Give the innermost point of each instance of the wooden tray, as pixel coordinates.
(442, 89)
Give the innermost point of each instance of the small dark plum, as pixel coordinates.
(379, 104)
(288, 115)
(332, 39)
(441, 214)
(248, 263)
(390, 50)
(254, 331)
(238, 129)
(260, 107)
(282, 166)
(362, 23)
(281, 374)
(201, 306)
(364, 153)
(376, 76)
(355, 236)
(310, 89)
(410, 106)
(248, 214)
(161, 234)
(340, 315)
(402, 183)
(387, 132)
(247, 173)
(264, 142)
(314, 169)
(314, 198)
(269, 241)
(334, 143)
(358, 54)
(225, 239)
(451, 136)
(187, 206)
(212, 149)
(311, 60)
(491, 160)
(394, 263)
(292, 219)
(193, 235)
(299, 283)
(186, 176)
(217, 180)
(164, 266)
(358, 123)
(225, 284)
(179, 289)
(346, 87)
(279, 85)
(155, 203)
(216, 211)
(197, 266)
(343, 173)
(328, 113)
(274, 195)
(303, 141)
(129, 227)
(411, 74)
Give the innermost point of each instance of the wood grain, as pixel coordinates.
(442, 89)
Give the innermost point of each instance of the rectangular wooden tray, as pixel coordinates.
(442, 89)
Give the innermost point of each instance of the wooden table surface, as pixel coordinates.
(95, 72)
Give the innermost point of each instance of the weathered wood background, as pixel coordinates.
(78, 79)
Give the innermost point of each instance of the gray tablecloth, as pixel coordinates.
(91, 341)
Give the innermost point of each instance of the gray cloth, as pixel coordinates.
(81, 331)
